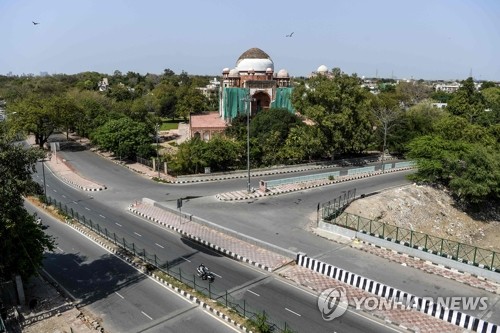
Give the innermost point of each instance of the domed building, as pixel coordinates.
(253, 82)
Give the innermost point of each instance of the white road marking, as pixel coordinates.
(87, 208)
(102, 216)
(76, 203)
(47, 185)
(54, 191)
(76, 262)
(118, 224)
(146, 315)
(63, 196)
(220, 277)
(60, 249)
(251, 292)
(186, 259)
(159, 245)
(295, 313)
(119, 295)
(137, 234)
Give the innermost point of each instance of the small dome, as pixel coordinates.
(322, 69)
(269, 70)
(234, 72)
(225, 70)
(251, 70)
(282, 73)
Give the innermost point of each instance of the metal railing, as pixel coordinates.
(451, 249)
(332, 208)
(223, 297)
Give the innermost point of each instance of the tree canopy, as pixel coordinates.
(23, 242)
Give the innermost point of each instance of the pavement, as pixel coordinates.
(272, 261)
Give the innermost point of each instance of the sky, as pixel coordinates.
(420, 39)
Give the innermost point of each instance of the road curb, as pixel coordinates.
(255, 195)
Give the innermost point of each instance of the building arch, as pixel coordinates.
(260, 101)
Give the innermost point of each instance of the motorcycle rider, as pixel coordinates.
(203, 270)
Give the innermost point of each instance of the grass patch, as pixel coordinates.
(169, 124)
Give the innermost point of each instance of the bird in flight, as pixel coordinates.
(35, 23)
(290, 35)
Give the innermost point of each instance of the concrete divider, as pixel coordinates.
(227, 231)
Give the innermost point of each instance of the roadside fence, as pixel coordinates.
(222, 297)
(451, 249)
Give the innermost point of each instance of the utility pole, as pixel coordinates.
(248, 100)
(157, 127)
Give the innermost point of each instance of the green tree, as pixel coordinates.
(189, 100)
(418, 120)
(340, 108)
(461, 156)
(23, 242)
(303, 143)
(36, 114)
(467, 102)
(124, 137)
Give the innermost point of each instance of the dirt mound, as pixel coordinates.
(429, 210)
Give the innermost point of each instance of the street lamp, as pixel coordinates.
(43, 174)
(248, 99)
(157, 127)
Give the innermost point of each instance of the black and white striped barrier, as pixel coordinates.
(421, 304)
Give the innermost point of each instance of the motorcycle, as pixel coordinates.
(205, 274)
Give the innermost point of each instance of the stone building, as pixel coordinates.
(253, 84)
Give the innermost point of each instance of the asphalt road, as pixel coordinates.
(282, 220)
(186, 255)
(125, 299)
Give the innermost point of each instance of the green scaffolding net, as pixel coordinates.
(283, 99)
(234, 102)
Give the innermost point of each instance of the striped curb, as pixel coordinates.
(203, 242)
(181, 292)
(91, 189)
(422, 305)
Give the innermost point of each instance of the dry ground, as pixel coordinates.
(432, 211)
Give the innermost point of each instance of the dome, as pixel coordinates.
(269, 70)
(322, 69)
(225, 70)
(282, 73)
(255, 59)
(234, 72)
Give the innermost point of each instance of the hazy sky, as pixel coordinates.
(429, 39)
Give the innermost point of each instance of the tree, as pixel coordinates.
(166, 95)
(461, 156)
(340, 108)
(189, 100)
(36, 114)
(414, 92)
(124, 137)
(23, 242)
(386, 112)
(303, 143)
(467, 102)
(418, 120)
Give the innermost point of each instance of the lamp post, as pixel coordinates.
(248, 100)
(44, 183)
(157, 127)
